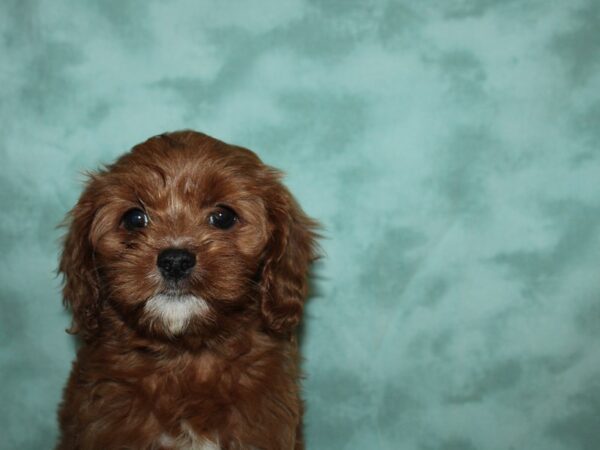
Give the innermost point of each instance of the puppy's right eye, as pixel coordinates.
(135, 219)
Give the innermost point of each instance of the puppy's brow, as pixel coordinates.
(140, 201)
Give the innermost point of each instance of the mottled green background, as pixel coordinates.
(450, 148)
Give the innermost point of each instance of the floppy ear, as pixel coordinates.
(81, 285)
(287, 259)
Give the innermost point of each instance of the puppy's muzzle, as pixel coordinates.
(175, 263)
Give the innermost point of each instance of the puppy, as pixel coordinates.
(185, 268)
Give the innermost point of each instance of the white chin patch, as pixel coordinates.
(175, 311)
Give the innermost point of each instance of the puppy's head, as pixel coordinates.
(182, 234)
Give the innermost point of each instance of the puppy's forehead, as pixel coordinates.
(188, 164)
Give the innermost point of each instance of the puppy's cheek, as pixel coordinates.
(111, 245)
(228, 277)
(129, 274)
(254, 235)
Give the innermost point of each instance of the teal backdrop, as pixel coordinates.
(451, 149)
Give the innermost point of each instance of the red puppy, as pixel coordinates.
(185, 268)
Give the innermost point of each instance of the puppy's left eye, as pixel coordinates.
(135, 219)
(223, 218)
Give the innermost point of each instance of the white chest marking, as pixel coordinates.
(187, 441)
(175, 312)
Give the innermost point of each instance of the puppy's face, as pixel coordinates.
(183, 233)
(179, 234)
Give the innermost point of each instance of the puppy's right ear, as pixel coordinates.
(81, 285)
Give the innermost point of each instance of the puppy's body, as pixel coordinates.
(147, 396)
(185, 267)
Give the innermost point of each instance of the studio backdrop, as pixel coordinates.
(450, 149)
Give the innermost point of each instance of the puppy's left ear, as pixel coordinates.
(287, 259)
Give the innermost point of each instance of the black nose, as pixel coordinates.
(175, 263)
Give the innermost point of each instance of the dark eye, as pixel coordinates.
(223, 218)
(134, 219)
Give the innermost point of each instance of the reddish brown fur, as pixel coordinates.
(232, 375)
